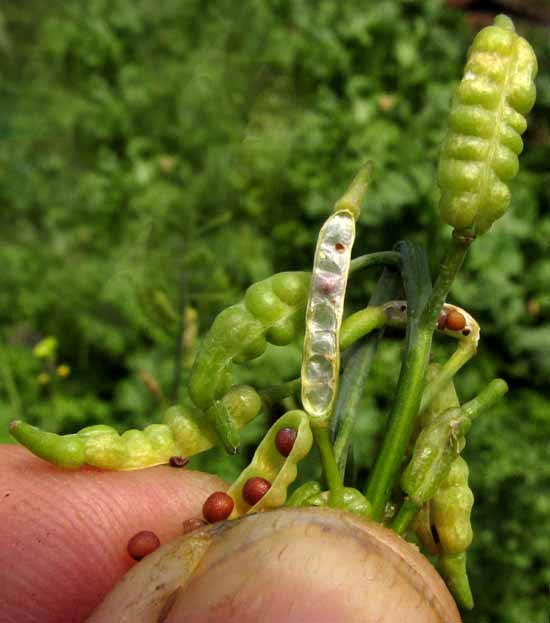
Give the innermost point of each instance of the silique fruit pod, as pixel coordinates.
(285, 565)
(487, 117)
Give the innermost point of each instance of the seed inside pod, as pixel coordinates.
(142, 544)
(194, 523)
(254, 489)
(217, 507)
(285, 440)
(455, 321)
(442, 321)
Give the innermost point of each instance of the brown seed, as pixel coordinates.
(192, 524)
(254, 489)
(455, 321)
(285, 440)
(217, 507)
(142, 544)
(178, 461)
(442, 321)
(340, 247)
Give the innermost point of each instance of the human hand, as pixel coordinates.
(64, 533)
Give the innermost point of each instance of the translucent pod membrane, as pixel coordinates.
(324, 314)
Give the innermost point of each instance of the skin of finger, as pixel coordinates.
(286, 566)
(64, 533)
(313, 570)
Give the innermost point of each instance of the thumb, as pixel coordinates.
(64, 533)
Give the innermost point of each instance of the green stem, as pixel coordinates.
(464, 352)
(276, 393)
(330, 467)
(411, 382)
(360, 324)
(380, 258)
(489, 396)
(406, 514)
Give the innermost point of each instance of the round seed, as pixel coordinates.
(455, 321)
(178, 461)
(217, 507)
(285, 440)
(192, 524)
(142, 544)
(254, 489)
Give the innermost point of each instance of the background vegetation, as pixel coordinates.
(159, 157)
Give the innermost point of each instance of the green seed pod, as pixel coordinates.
(437, 446)
(268, 463)
(451, 508)
(480, 152)
(270, 312)
(453, 570)
(450, 514)
(184, 433)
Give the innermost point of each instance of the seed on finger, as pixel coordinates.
(178, 461)
(254, 489)
(194, 523)
(142, 544)
(285, 440)
(217, 507)
(455, 321)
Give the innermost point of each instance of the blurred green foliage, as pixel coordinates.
(159, 157)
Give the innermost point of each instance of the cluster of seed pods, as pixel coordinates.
(263, 484)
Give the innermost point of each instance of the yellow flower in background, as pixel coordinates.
(63, 371)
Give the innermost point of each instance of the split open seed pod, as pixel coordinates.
(292, 564)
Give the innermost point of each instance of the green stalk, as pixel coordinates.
(330, 467)
(465, 351)
(380, 258)
(411, 381)
(276, 393)
(406, 514)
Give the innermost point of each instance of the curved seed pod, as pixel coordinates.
(325, 306)
(436, 447)
(450, 511)
(185, 433)
(480, 152)
(451, 507)
(453, 570)
(270, 464)
(271, 311)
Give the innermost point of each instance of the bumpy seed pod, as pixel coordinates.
(269, 464)
(185, 433)
(436, 447)
(480, 153)
(271, 311)
(450, 511)
(325, 306)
